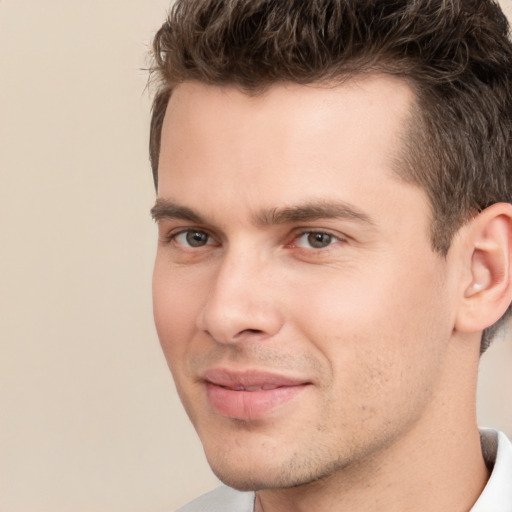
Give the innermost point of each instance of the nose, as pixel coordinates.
(242, 301)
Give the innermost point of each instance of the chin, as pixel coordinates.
(246, 475)
(252, 480)
(253, 475)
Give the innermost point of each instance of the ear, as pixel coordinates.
(487, 289)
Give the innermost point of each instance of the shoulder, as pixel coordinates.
(222, 499)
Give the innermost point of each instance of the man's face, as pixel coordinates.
(301, 309)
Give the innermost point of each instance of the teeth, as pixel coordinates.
(254, 388)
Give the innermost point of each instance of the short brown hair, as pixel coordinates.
(455, 54)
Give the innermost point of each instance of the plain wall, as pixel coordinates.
(89, 420)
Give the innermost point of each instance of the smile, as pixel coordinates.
(250, 395)
(254, 388)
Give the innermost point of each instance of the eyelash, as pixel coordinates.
(312, 232)
(172, 238)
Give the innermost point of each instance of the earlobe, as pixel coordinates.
(488, 293)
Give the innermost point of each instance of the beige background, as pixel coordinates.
(89, 420)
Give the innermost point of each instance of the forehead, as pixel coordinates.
(283, 146)
(368, 94)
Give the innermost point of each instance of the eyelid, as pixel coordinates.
(171, 235)
(299, 233)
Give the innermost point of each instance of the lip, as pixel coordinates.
(250, 395)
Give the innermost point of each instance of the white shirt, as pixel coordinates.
(497, 494)
(496, 497)
(222, 499)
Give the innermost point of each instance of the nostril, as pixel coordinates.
(248, 334)
(238, 335)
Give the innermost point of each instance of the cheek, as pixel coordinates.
(377, 330)
(176, 303)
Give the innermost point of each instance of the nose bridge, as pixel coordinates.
(240, 303)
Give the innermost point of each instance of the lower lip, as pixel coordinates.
(249, 405)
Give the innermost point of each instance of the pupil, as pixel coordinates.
(196, 238)
(319, 240)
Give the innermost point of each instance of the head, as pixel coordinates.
(333, 183)
(457, 61)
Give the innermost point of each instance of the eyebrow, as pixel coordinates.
(310, 211)
(165, 209)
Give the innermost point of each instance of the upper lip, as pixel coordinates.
(250, 380)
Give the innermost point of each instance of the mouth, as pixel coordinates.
(253, 388)
(250, 395)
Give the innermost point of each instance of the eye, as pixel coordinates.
(315, 240)
(192, 238)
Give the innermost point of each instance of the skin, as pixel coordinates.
(363, 315)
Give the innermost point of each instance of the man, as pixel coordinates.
(333, 204)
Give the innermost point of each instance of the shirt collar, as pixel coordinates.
(497, 494)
